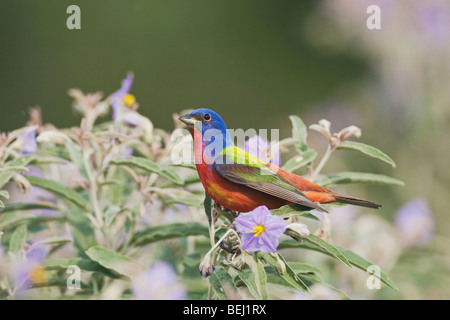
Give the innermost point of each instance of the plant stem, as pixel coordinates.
(322, 162)
(93, 190)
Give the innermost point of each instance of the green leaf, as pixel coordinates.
(13, 218)
(289, 276)
(149, 166)
(333, 204)
(355, 259)
(3, 294)
(274, 278)
(300, 267)
(293, 209)
(222, 283)
(248, 277)
(207, 203)
(367, 150)
(60, 190)
(309, 215)
(58, 282)
(331, 249)
(358, 177)
(363, 264)
(55, 240)
(260, 276)
(114, 261)
(168, 231)
(2, 205)
(184, 165)
(11, 169)
(84, 264)
(45, 160)
(76, 156)
(171, 174)
(312, 278)
(18, 162)
(83, 234)
(192, 178)
(18, 238)
(300, 160)
(299, 132)
(111, 213)
(26, 207)
(191, 202)
(54, 151)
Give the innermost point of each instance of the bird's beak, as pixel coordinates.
(187, 119)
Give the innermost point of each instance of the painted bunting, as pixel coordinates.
(240, 181)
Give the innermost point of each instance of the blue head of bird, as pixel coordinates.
(210, 124)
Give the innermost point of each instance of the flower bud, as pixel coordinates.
(348, 132)
(238, 263)
(323, 127)
(297, 230)
(23, 184)
(206, 268)
(281, 266)
(52, 136)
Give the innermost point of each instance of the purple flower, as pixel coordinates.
(127, 152)
(433, 19)
(39, 195)
(260, 230)
(134, 119)
(27, 140)
(122, 97)
(31, 270)
(160, 282)
(258, 147)
(206, 268)
(415, 223)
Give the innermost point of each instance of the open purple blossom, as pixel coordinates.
(122, 97)
(415, 223)
(260, 230)
(30, 270)
(27, 140)
(258, 147)
(160, 282)
(124, 108)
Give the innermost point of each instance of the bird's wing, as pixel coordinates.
(240, 167)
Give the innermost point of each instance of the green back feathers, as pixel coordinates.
(238, 166)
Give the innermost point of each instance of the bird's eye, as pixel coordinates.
(207, 117)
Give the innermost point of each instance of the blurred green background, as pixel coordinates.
(247, 60)
(254, 62)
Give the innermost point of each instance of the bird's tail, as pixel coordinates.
(320, 194)
(355, 201)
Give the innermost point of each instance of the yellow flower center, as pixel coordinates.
(38, 275)
(129, 100)
(258, 230)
